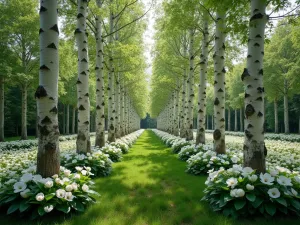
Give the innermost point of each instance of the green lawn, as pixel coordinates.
(17, 138)
(149, 187)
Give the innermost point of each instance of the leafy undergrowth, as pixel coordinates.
(149, 187)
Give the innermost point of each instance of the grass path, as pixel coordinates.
(150, 187)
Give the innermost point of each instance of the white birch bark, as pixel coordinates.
(191, 95)
(48, 160)
(229, 119)
(176, 109)
(122, 113)
(83, 143)
(200, 138)
(241, 120)
(1, 108)
(24, 113)
(73, 119)
(219, 85)
(100, 101)
(254, 146)
(235, 120)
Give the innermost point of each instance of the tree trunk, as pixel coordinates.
(24, 113)
(254, 146)
(235, 120)
(64, 119)
(190, 111)
(68, 120)
(122, 132)
(73, 120)
(229, 119)
(100, 101)
(200, 138)
(184, 100)
(286, 109)
(110, 90)
(299, 125)
(48, 160)
(212, 122)
(219, 85)
(1, 108)
(276, 116)
(241, 120)
(83, 143)
(176, 109)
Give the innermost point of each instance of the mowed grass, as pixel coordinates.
(149, 187)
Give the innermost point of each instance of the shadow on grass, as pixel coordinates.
(150, 187)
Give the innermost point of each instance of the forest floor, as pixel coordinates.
(149, 187)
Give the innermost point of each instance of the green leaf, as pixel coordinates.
(11, 198)
(239, 204)
(41, 210)
(295, 203)
(251, 197)
(257, 202)
(77, 205)
(63, 208)
(49, 196)
(227, 198)
(14, 207)
(271, 209)
(282, 201)
(23, 206)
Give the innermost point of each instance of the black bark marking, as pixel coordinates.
(249, 56)
(248, 134)
(259, 99)
(78, 82)
(247, 95)
(261, 72)
(77, 31)
(44, 67)
(52, 45)
(87, 95)
(220, 90)
(249, 126)
(40, 92)
(98, 107)
(84, 60)
(43, 9)
(43, 130)
(46, 121)
(83, 73)
(259, 114)
(261, 90)
(217, 134)
(81, 136)
(55, 28)
(50, 147)
(54, 110)
(81, 108)
(41, 31)
(86, 122)
(79, 15)
(258, 36)
(224, 70)
(97, 68)
(256, 45)
(249, 111)
(256, 16)
(245, 74)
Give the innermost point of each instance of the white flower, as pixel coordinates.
(282, 180)
(55, 176)
(274, 173)
(66, 180)
(74, 161)
(26, 177)
(240, 193)
(252, 178)
(234, 159)
(78, 168)
(246, 171)
(58, 181)
(232, 182)
(19, 186)
(60, 193)
(77, 176)
(37, 178)
(90, 158)
(266, 178)
(74, 186)
(85, 188)
(67, 172)
(48, 208)
(24, 194)
(49, 184)
(249, 187)
(297, 179)
(274, 193)
(69, 187)
(233, 193)
(69, 196)
(88, 168)
(40, 197)
(294, 192)
(83, 172)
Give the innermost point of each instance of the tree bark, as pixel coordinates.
(24, 113)
(1, 108)
(190, 111)
(100, 100)
(64, 119)
(235, 120)
(200, 138)
(286, 109)
(68, 120)
(229, 119)
(276, 116)
(48, 160)
(254, 145)
(241, 120)
(219, 85)
(73, 120)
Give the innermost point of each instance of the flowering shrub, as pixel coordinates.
(240, 192)
(179, 144)
(124, 147)
(188, 151)
(32, 194)
(207, 160)
(99, 162)
(115, 154)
